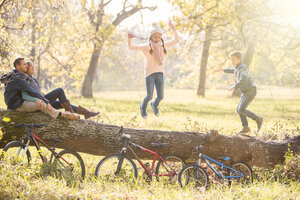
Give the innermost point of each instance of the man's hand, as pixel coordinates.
(171, 25)
(39, 103)
(130, 36)
(231, 88)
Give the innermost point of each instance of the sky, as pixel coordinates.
(162, 13)
(287, 10)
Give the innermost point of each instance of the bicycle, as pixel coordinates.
(120, 167)
(194, 174)
(68, 161)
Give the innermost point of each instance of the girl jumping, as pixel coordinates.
(155, 55)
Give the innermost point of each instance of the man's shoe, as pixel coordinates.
(259, 122)
(245, 129)
(143, 112)
(155, 109)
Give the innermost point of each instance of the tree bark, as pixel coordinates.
(102, 139)
(204, 59)
(33, 36)
(87, 86)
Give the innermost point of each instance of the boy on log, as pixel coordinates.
(245, 84)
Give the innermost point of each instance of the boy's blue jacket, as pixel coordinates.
(243, 79)
(13, 90)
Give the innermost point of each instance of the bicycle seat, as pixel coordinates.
(158, 144)
(125, 136)
(30, 125)
(224, 158)
(55, 140)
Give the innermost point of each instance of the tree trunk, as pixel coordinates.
(204, 59)
(247, 61)
(33, 36)
(102, 139)
(87, 86)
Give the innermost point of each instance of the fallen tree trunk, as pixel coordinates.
(102, 139)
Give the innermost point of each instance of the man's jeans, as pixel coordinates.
(60, 95)
(157, 80)
(30, 106)
(245, 100)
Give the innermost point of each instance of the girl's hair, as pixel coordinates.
(163, 44)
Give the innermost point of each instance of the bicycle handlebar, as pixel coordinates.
(30, 125)
(199, 147)
(123, 135)
(121, 130)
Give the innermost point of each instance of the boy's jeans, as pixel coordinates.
(157, 80)
(245, 100)
(59, 94)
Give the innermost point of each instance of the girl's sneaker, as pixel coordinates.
(143, 112)
(155, 109)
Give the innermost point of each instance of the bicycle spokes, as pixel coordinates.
(14, 154)
(243, 174)
(107, 170)
(69, 166)
(168, 170)
(193, 176)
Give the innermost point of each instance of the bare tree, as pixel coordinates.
(102, 30)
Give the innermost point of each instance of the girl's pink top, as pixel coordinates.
(150, 64)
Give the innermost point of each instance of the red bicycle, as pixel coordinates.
(120, 167)
(67, 162)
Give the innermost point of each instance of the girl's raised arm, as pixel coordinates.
(135, 47)
(171, 43)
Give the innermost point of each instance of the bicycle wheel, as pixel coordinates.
(107, 167)
(164, 168)
(14, 153)
(245, 169)
(193, 175)
(70, 165)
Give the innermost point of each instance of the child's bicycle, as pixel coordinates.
(120, 167)
(67, 161)
(195, 175)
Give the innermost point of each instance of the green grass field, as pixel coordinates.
(181, 110)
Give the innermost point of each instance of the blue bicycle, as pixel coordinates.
(195, 175)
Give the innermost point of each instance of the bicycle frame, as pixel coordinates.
(156, 157)
(220, 175)
(31, 136)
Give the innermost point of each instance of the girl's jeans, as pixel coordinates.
(59, 94)
(157, 80)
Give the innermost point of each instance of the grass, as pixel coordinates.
(181, 110)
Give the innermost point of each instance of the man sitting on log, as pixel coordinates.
(20, 96)
(59, 94)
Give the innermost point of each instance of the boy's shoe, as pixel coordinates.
(245, 129)
(259, 122)
(155, 109)
(143, 112)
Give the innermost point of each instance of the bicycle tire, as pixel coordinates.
(193, 175)
(107, 167)
(248, 179)
(161, 168)
(17, 159)
(74, 169)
